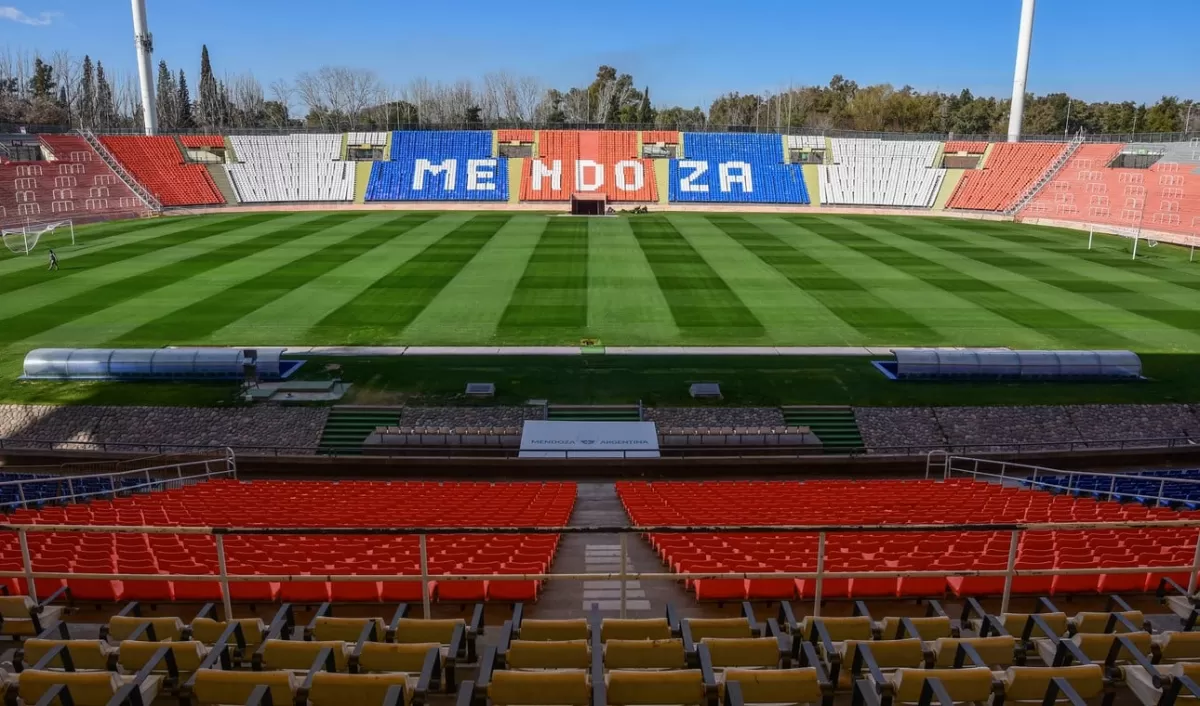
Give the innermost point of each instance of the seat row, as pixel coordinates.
(158, 164)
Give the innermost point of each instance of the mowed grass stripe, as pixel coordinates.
(868, 314)
(86, 239)
(702, 304)
(951, 318)
(142, 284)
(955, 275)
(624, 301)
(263, 278)
(387, 307)
(1148, 298)
(551, 297)
(289, 320)
(85, 260)
(466, 311)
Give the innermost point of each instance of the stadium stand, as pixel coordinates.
(1011, 168)
(158, 165)
(202, 141)
(440, 165)
(799, 142)
(298, 505)
(666, 137)
(1165, 196)
(596, 161)
(375, 139)
(901, 502)
(73, 183)
(522, 136)
(966, 147)
(284, 168)
(34, 488)
(735, 168)
(1137, 487)
(881, 173)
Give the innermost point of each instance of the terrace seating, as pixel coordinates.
(158, 165)
(522, 136)
(798, 142)
(966, 146)
(286, 168)
(599, 161)
(1011, 168)
(881, 173)
(440, 165)
(1164, 197)
(374, 139)
(665, 137)
(882, 502)
(735, 168)
(1143, 487)
(76, 183)
(202, 141)
(315, 504)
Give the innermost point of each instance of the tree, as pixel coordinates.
(679, 118)
(106, 111)
(183, 105)
(472, 117)
(167, 94)
(645, 112)
(87, 95)
(208, 106)
(41, 84)
(1164, 116)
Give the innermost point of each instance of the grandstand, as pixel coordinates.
(290, 168)
(72, 182)
(734, 168)
(158, 164)
(1008, 171)
(440, 166)
(881, 173)
(605, 162)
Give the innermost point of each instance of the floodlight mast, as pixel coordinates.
(1024, 40)
(144, 43)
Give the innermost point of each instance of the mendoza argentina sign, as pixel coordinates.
(589, 440)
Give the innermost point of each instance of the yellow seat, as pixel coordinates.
(1096, 646)
(1098, 621)
(537, 654)
(1032, 683)
(87, 688)
(135, 654)
(298, 656)
(840, 629)
(701, 628)
(1176, 646)
(208, 631)
(928, 628)
(644, 654)
(85, 654)
(217, 686)
(415, 630)
(777, 686)
(1014, 623)
(888, 654)
(680, 688)
(326, 628)
(390, 657)
(555, 630)
(121, 627)
(634, 629)
(743, 651)
(358, 689)
(18, 613)
(540, 689)
(967, 684)
(998, 651)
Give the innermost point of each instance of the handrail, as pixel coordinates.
(115, 165)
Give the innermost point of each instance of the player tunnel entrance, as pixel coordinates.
(588, 204)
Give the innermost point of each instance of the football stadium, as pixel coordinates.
(515, 396)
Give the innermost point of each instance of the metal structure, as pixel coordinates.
(1024, 40)
(144, 43)
(72, 487)
(149, 363)
(933, 363)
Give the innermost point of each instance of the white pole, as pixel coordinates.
(1091, 234)
(1137, 235)
(144, 43)
(1024, 40)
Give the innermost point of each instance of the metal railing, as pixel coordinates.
(117, 168)
(69, 487)
(624, 576)
(1002, 471)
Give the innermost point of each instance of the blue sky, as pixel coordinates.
(688, 52)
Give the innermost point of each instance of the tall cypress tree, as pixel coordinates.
(106, 111)
(167, 94)
(87, 95)
(183, 104)
(209, 103)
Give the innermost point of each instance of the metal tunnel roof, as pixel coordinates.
(946, 362)
(145, 363)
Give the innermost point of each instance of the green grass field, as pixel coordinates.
(506, 278)
(462, 278)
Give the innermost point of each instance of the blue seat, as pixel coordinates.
(440, 165)
(735, 168)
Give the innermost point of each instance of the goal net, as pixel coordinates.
(23, 239)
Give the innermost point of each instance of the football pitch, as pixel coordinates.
(496, 278)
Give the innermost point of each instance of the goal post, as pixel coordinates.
(24, 238)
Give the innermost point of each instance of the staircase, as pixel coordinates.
(220, 177)
(834, 426)
(347, 427)
(594, 413)
(146, 197)
(1046, 177)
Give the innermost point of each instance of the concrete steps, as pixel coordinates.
(594, 413)
(347, 427)
(836, 427)
(220, 177)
